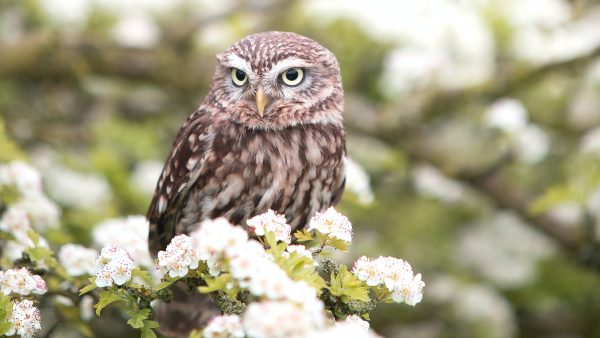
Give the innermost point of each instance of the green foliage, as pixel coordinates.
(8, 149)
(148, 329)
(216, 284)
(319, 240)
(90, 287)
(137, 318)
(346, 286)
(6, 306)
(106, 298)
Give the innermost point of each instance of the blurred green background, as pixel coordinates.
(474, 127)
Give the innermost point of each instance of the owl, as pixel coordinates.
(268, 135)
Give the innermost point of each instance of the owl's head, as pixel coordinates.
(274, 80)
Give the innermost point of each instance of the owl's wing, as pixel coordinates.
(183, 167)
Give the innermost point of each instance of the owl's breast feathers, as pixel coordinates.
(218, 169)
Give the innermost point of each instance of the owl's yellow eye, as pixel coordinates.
(238, 77)
(292, 76)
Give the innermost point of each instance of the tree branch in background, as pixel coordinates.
(445, 102)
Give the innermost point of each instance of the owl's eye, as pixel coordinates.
(238, 77)
(292, 76)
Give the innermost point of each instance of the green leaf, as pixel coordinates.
(307, 238)
(6, 306)
(166, 283)
(277, 250)
(147, 331)
(7, 236)
(106, 298)
(303, 236)
(216, 284)
(42, 254)
(346, 286)
(270, 239)
(34, 236)
(143, 274)
(137, 318)
(552, 197)
(338, 244)
(195, 334)
(89, 287)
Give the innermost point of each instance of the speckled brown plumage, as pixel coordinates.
(231, 159)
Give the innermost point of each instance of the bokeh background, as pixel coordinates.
(473, 125)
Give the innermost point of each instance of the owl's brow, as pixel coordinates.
(234, 61)
(286, 64)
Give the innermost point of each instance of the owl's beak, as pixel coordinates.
(261, 100)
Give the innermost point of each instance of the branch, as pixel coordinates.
(502, 85)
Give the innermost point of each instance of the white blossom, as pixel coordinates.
(179, 257)
(358, 181)
(355, 320)
(137, 31)
(271, 319)
(561, 38)
(77, 259)
(145, 175)
(367, 271)
(25, 319)
(393, 273)
(508, 115)
(16, 222)
(503, 250)
(23, 176)
(440, 43)
(22, 282)
(214, 265)
(273, 222)
(114, 265)
(590, 142)
(129, 232)
(226, 326)
(333, 224)
(344, 330)
(75, 189)
(86, 308)
(532, 144)
(44, 214)
(410, 292)
(245, 261)
(215, 237)
(13, 250)
(430, 182)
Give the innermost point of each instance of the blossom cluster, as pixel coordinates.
(25, 319)
(226, 326)
(77, 259)
(393, 273)
(114, 265)
(228, 249)
(179, 257)
(237, 262)
(332, 223)
(28, 209)
(271, 221)
(249, 264)
(128, 232)
(271, 319)
(21, 281)
(27, 182)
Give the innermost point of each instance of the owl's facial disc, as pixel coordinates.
(275, 80)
